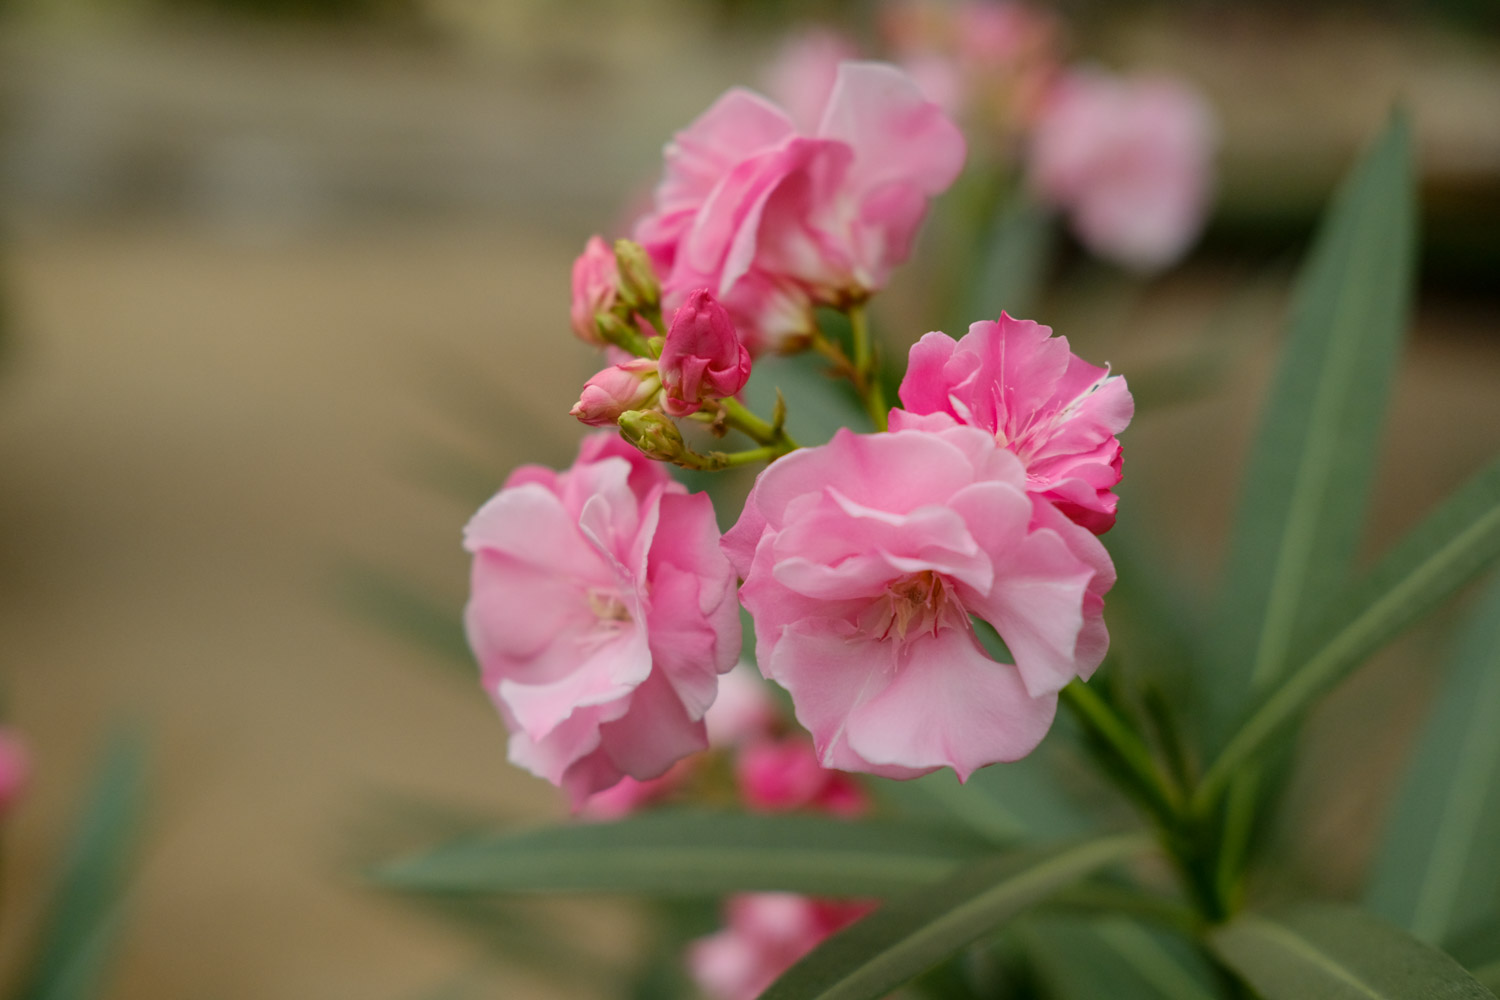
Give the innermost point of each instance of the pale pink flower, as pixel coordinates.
(701, 357)
(1056, 412)
(15, 767)
(627, 386)
(773, 220)
(1130, 160)
(782, 775)
(596, 283)
(802, 75)
(601, 612)
(863, 561)
(767, 933)
(743, 711)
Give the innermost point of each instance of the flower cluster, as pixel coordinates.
(1127, 159)
(877, 568)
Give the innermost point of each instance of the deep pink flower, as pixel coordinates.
(863, 561)
(772, 219)
(1056, 412)
(601, 613)
(701, 357)
(1130, 161)
(628, 386)
(15, 767)
(596, 283)
(767, 933)
(780, 775)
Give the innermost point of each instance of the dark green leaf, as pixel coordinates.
(1449, 548)
(84, 913)
(694, 853)
(914, 932)
(1489, 977)
(1118, 959)
(1302, 513)
(1338, 953)
(1439, 868)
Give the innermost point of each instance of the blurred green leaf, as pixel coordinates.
(1449, 548)
(83, 918)
(914, 932)
(1118, 959)
(817, 404)
(694, 853)
(1013, 258)
(1439, 868)
(1338, 953)
(1302, 512)
(1489, 977)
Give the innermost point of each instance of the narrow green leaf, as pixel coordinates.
(912, 933)
(1449, 548)
(1338, 953)
(1302, 513)
(69, 959)
(694, 853)
(1489, 977)
(1118, 959)
(1013, 261)
(1439, 868)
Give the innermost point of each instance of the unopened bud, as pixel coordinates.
(596, 283)
(639, 289)
(702, 357)
(628, 386)
(654, 433)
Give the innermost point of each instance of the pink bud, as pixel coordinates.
(596, 282)
(15, 767)
(775, 777)
(702, 357)
(615, 390)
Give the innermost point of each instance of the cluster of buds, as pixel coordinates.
(698, 362)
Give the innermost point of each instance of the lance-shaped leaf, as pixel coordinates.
(910, 934)
(1438, 871)
(1302, 512)
(694, 853)
(1012, 263)
(1118, 959)
(83, 918)
(1338, 953)
(1449, 548)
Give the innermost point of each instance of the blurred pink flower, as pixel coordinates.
(702, 357)
(601, 612)
(767, 933)
(596, 282)
(781, 775)
(1130, 160)
(863, 560)
(773, 220)
(802, 75)
(743, 711)
(1056, 412)
(629, 795)
(15, 767)
(628, 386)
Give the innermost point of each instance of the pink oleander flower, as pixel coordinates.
(782, 775)
(701, 357)
(601, 612)
(596, 284)
(802, 75)
(629, 795)
(630, 385)
(1056, 412)
(15, 768)
(773, 220)
(863, 561)
(767, 933)
(1130, 160)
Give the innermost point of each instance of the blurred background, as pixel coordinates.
(283, 295)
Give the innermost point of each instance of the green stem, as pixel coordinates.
(1129, 750)
(866, 378)
(716, 460)
(759, 430)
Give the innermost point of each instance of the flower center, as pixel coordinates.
(608, 608)
(916, 604)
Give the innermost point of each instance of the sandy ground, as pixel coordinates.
(205, 424)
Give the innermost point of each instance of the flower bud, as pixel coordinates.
(702, 357)
(639, 288)
(654, 434)
(628, 386)
(596, 283)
